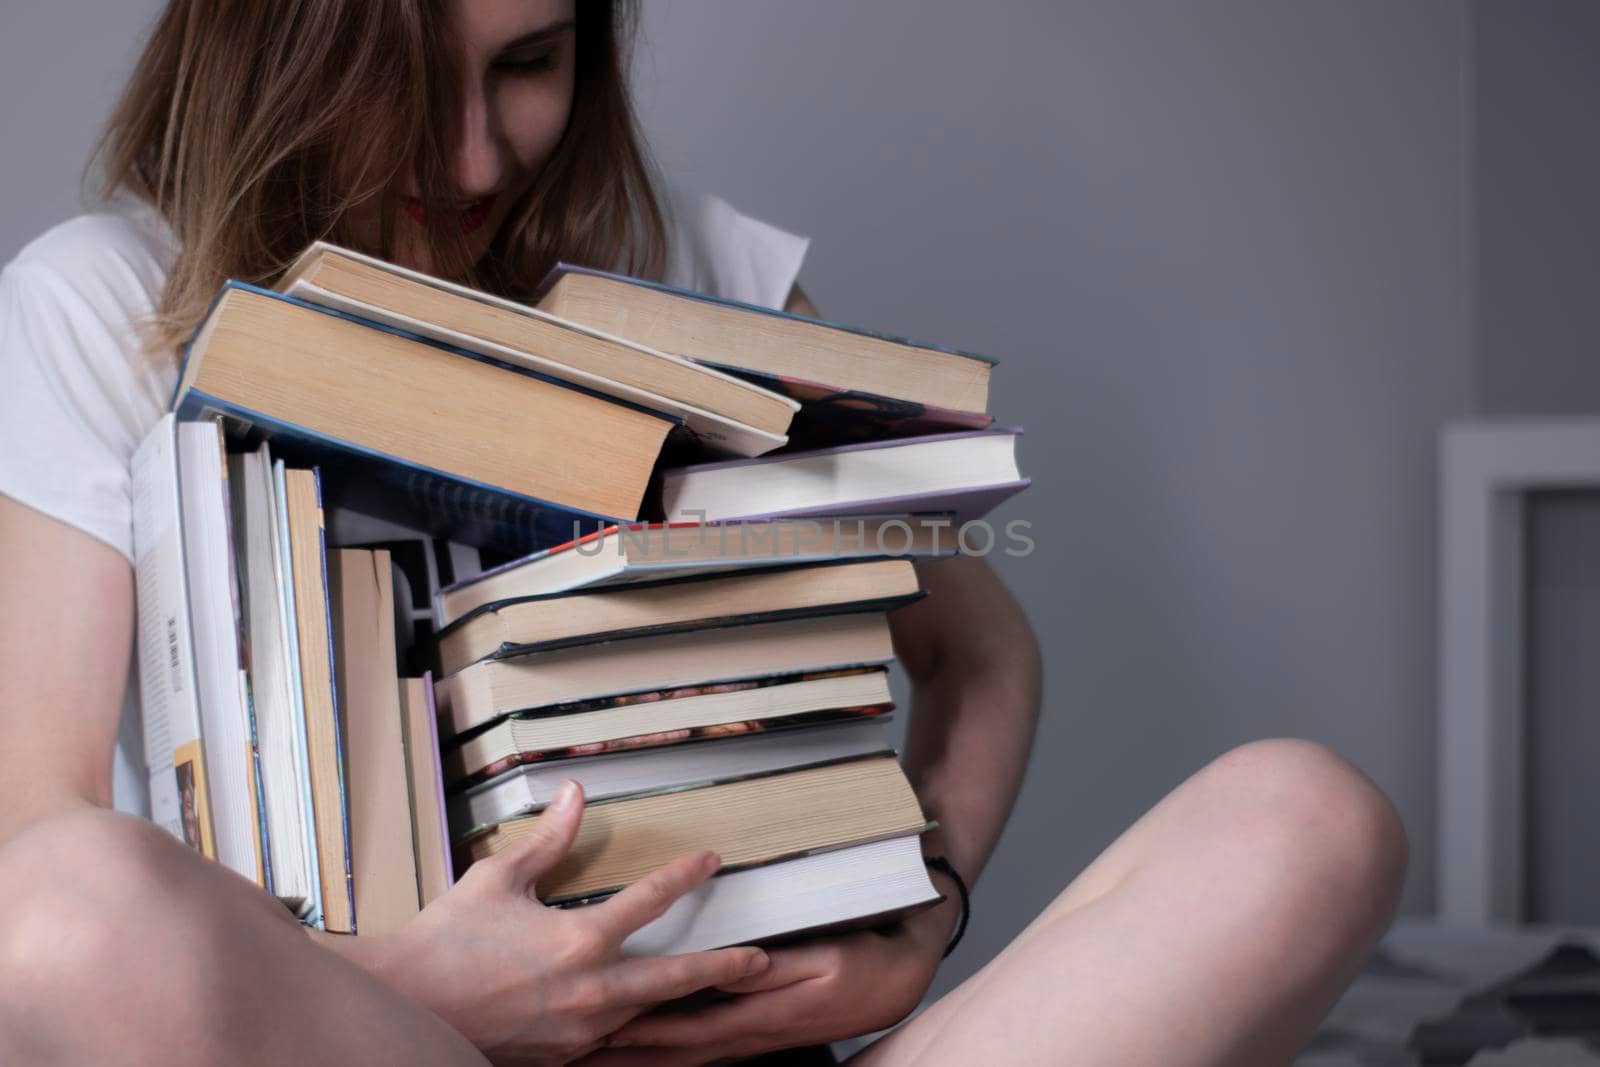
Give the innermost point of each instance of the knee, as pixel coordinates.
(89, 900)
(1328, 844)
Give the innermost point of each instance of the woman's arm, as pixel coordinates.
(66, 636)
(976, 683)
(976, 675)
(975, 671)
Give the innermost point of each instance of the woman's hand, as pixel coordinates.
(813, 993)
(529, 984)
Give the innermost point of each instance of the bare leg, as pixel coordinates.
(1218, 930)
(119, 945)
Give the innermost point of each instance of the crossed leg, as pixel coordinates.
(1218, 929)
(119, 945)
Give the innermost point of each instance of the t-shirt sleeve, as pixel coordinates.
(69, 402)
(715, 248)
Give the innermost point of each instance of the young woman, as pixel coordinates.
(483, 139)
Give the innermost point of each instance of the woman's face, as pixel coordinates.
(516, 64)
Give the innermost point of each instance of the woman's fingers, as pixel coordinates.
(787, 966)
(654, 979)
(547, 841)
(652, 895)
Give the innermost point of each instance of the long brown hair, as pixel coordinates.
(255, 128)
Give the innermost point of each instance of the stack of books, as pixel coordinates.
(709, 659)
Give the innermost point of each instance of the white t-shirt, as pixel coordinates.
(77, 395)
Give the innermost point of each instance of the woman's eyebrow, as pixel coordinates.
(544, 35)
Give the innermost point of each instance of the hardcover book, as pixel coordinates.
(668, 717)
(827, 892)
(510, 628)
(731, 334)
(219, 667)
(622, 555)
(404, 425)
(493, 688)
(383, 866)
(963, 475)
(527, 788)
(281, 767)
(747, 823)
(180, 788)
(324, 732)
(425, 790)
(719, 411)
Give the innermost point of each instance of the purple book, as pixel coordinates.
(963, 475)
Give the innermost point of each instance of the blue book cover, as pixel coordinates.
(434, 501)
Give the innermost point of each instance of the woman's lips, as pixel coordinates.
(467, 219)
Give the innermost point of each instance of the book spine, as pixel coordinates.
(167, 684)
(449, 873)
(333, 695)
(241, 633)
(258, 799)
(313, 913)
(517, 649)
(331, 837)
(207, 543)
(424, 498)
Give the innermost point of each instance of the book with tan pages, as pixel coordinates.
(609, 774)
(430, 833)
(748, 823)
(534, 624)
(668, 717)
(383, 864)
(427, 433)
(489, 689)
(720, 411)
(642, 552)
(773, 344)
(319, 694)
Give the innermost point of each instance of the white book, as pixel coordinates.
(964, 474)
(255, 517)
(168, 689)
(208, 562)
(842, 888)
(284, 571)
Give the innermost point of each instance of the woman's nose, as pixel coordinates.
(478, 162)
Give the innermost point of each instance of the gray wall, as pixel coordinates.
(1536, 219)
(1220, 250)
(1563, 732)
(62, 63)
(1536, 164)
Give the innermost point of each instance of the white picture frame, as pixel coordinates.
(1487, 470)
